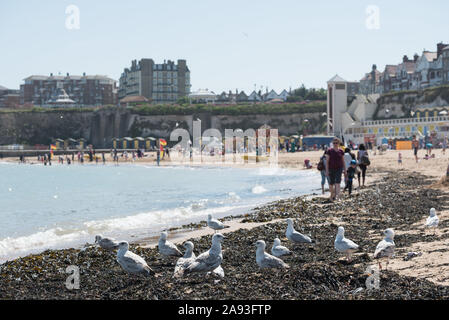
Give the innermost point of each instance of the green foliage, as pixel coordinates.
(246, 109)
(308, 94)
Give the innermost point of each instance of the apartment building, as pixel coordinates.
(85, 90)
(160, 83)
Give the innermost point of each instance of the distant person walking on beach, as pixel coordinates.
(400, 159)
(415, 145)
(351, 174)
(348, 157)
(335, 166)
(322, 168)
(363, 159)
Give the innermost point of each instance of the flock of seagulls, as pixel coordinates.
(209, 262)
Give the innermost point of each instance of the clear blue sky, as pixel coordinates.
(227, 44)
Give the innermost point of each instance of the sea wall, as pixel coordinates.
(100, 126)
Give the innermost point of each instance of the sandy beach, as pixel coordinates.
(395, 196)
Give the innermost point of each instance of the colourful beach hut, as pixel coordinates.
(115, 143)
(139, 143)
(126, 142)
(150, 143)
(59, 143)
(70, 143)
(81, 143)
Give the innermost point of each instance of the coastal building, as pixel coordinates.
(9, 98)
(360, 119)
(203, 96)
(85, 90)
(160, 83)
(429, 69)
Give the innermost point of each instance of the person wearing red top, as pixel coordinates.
(335, 166)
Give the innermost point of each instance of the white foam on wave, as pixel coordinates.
(130, 228)
(258, 190)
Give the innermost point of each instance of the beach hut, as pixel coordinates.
(115, 143)
(150, 143)
(81, 143)
(59, 143)
(139, 143)
(126, 142)
(70, 143)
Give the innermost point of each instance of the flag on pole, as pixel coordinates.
(162, 144)
(52, 147)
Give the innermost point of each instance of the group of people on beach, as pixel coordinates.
(337, 161)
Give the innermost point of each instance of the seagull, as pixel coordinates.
(131, 262)
(209, 260)
(295, 236)
(265, 260)
(432, 220)
(184, 261)
(277, 250)
(167, 248)
(215, 224)
(343, 244)
(106, 243)
(385, 248)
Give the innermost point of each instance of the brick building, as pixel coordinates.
(9, 98)
(85, 90)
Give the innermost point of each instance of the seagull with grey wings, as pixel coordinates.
(294, 235)
(385, 248)
(184, 261)
(265, 260)
(344, 245)
(106, 243)
(210, 260)
(131, 262)
(215, 224)
(278, 250)
(167, 248)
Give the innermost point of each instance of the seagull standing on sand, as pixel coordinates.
(278, 251)
(106, 243)
(344, 245)
(265, 260)
(167, 248)
(294, 235)
(215, 224)
(131, 262)
(432, 220)
(385, 248)
(209, 260)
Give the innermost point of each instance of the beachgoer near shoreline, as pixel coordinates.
(362, 157)
(321, 166)
(400, 159)
(335, 166)
(351, 174)
(415, 145)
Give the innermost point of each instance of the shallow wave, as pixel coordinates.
(258, 190)
(140, 225)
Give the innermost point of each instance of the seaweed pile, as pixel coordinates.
(316, 271)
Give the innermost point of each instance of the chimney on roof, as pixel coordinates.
(440, 47)
(405, 59)
(415, 57)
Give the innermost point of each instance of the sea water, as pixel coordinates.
(61, 206)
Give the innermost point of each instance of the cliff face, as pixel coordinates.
(400, 104)
(101, 126)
